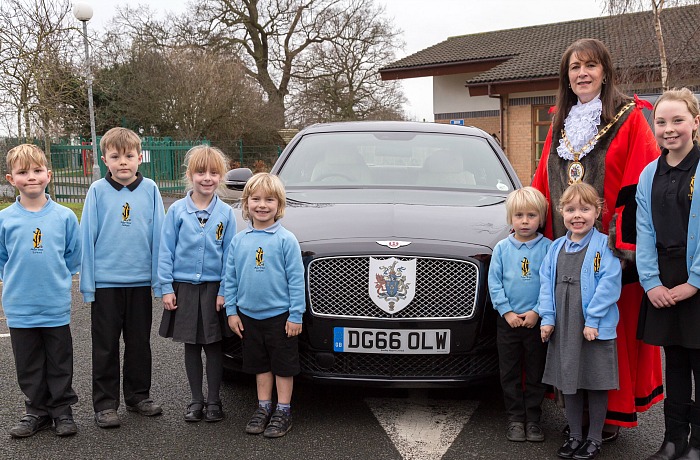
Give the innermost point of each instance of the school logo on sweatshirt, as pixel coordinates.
(219, 231)
(37, 247)
(259, 262)
(126, 215)
(596, 262)
(525, 268)
(692, 188)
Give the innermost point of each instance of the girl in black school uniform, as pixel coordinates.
(668, 261)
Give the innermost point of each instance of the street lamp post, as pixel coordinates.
(83, 13)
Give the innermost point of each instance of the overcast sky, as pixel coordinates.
(426, 23)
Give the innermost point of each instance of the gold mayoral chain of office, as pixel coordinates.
(576, 169)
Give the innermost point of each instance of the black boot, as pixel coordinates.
(693, 451)
(677, 431)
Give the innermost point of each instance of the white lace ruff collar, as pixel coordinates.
(581, 125)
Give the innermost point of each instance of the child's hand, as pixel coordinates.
(234, 322)
(292, 329)
(590, 333)
(546, 332)
(219, 302)
(169, 301)
(682, 292)
(529, 319)
(513, 319)
(660, 297)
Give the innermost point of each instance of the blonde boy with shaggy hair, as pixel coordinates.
(265, 301)
(39, 253)
(514, 285)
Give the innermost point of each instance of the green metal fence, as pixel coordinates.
(163, 160)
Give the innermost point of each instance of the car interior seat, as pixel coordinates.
(445, 168)
(340, 167)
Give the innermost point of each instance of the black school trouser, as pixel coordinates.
(521, 349)
(44, 363)
(115, 311)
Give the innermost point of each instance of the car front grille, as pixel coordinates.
(444, 288)
(366, 365)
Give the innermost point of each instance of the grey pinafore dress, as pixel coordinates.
(573, 362)
(195, 320)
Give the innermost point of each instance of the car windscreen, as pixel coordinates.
(391, 159)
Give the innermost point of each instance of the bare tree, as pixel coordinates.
(34, 61)
(615, 7)
(340, 80)
(183, 93)
(271, 36)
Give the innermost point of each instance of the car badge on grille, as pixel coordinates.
(394, 244)
(392, 283)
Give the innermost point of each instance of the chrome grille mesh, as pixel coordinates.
(404, 366)
(445, 288)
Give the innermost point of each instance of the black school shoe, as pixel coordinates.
(569, 448)
(29, 425)
(146, 407)
(280, 424)
(214, 412)
(258, 422)
(195, 412)
(64, 425)
(589, 450)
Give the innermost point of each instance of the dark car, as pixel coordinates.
(397, 222)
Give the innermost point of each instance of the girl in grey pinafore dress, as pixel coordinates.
(576, 366)
(574, 363)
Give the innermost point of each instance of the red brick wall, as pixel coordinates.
(518, 127)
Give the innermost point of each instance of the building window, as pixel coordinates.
(541, 119)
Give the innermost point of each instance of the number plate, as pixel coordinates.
(400, 341)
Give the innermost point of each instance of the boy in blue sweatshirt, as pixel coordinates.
(265, 301)
(39, 253)
(121, 223)
(514, 285)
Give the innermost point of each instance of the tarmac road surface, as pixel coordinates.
(330, 422)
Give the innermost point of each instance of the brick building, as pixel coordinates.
(505, 81)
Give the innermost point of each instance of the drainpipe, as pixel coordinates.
(501, 109)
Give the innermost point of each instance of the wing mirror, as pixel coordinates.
(236, 179)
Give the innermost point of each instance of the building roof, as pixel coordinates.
(532, 53)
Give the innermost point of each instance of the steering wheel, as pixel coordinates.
(329, 175)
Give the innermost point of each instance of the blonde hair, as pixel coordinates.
(266, 183)
(525, 199)
(681, 95)
(25, 155)
(122, 139)
(202, 158)
(586, 193)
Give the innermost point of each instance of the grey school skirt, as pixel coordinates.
(195, 320)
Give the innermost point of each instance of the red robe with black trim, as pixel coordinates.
(613, 168)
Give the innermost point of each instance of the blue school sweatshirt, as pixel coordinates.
(191, 253)
(121, 236)
(39, 252)
(265, 274)
(601, 284)
(514, 274)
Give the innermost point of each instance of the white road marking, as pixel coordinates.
(422, 428)
(4, 335)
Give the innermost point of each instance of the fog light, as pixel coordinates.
(325, 360)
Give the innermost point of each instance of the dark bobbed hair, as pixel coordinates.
(610, 95)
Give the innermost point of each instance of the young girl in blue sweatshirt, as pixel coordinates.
(668, 262)
(265, 301)
(581, 282)
(196, 235)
